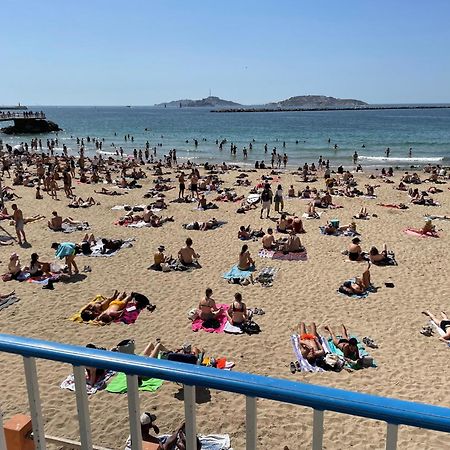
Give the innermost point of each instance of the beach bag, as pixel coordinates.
(250, 327)
(126, 346)
(333, 362)
(192, 314)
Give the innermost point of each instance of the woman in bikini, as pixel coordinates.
(360, 285)
(207, 308)
(443, 324)
(237, 312)
(354, 250)
(309, 343)
(348, 346)
(245, 260)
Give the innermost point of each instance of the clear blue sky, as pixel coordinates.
(141, 52)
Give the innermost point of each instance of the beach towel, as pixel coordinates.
(44, 279)
(305, 365)
(289, 256)
(439, 330)
(118, 384)
(209, 442)
(346, 294)
(392, 205)
(69, 383)
(97, 248)
(8, 301)
(218, 224)
(347, 233)
(308, 217)
(221, 320)
(128, 207)
(231, 329)
(418, 233)
(430, 217)
(361, 349)
(236, 273)
(70, 228)
(138, 224)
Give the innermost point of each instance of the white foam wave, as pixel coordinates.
(398, 159)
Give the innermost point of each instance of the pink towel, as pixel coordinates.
(197, 324)
(417, 233)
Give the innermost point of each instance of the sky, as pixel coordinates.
(142, 52)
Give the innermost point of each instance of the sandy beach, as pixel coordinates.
(410, 366)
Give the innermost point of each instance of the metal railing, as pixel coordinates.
(392, 411)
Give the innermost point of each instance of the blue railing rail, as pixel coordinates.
(393, 411)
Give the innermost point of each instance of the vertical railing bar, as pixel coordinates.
(317, 441)
(34, 400)
(2, 433)
(134, 412)
(391, 436)
(250, 423)
(79, 373)
(189, 415)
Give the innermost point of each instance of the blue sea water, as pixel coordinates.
(426, 131)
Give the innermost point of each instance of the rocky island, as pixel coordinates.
(210, 102)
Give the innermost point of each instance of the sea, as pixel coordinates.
(303, 135)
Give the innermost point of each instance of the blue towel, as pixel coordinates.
(361, 349)
(235, 272)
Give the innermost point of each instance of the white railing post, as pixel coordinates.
(317, 440)
(2, 433)
(250, 423)
(34, 401)
(79, 373)
(134, 412)
(189, 415)
(391, 436)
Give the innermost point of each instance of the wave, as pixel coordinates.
(397, 159)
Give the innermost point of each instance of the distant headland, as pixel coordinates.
(210, 102)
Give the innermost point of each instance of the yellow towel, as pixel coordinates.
(77, 317)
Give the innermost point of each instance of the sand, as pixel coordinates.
(410, 366)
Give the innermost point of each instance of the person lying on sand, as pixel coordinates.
(363, 214)
(348, 346)
(360, 285)
(80, 203)
(203, 226)
(309, 343)
(443, 324)
(117, 307)
(187, 255)
(105, 191)
(3, 296)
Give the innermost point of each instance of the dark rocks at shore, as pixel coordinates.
(25, 126)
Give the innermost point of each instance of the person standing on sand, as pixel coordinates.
(66, 250)
(266, 200)
(19, 223)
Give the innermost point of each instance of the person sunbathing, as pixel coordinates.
(309, 343)
(291, 191)
(292, 243)
(159, 258)
(237, 312)
(56, 222)
(379, 258)
(14, 266)
(347, 345)
(362, 214)
(355, 251)
(329, 228)
(79, 202)
(245, 260)
(268, 240)
(93, 310)
(428, 228)
(244, 233)
(207, 308)
(443, 324)
(37, 268)
(297, 225)
(187, 255)
(282, 223)
(34, 218)
(3, 296)
(105, 191)
(360, 285)
(311, 211)
(117, 307)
